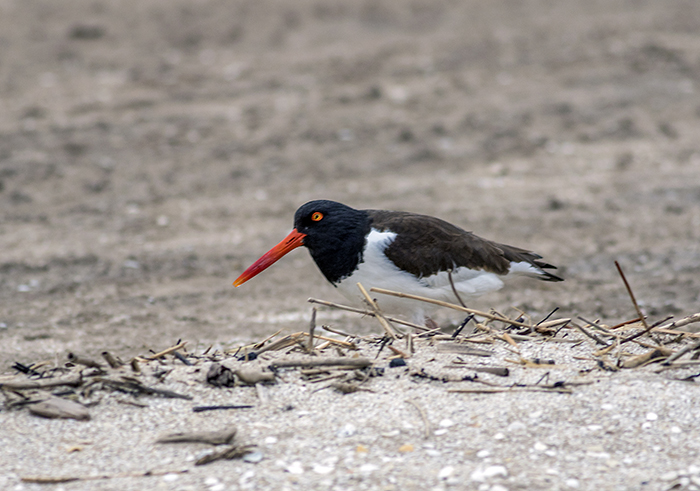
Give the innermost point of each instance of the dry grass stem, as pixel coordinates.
(312, 327)
(631, 294)
(495, 390)
(454, 290)
(377, 313)
(451, 306)
(691, 319)
(423, 415)
(167, 351)
(591, 335)
(365, 312)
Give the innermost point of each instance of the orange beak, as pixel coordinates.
(292, 241)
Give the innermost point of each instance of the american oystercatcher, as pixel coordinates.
(400, 251)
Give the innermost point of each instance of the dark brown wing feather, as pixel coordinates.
(426, 245)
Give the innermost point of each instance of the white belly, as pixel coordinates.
(377, 270)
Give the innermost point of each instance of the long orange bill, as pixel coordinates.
(292, 241)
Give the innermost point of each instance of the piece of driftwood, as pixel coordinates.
(201, 409)
(322, 362)
(348, 387)
(95, 477)
(500, 371)
(111, 360)
(73, 380)
(233, 452)
(73, 358)
(59, 408)
(495, 390)
(133, 386)
(216, 437)
(252, 376)
(651, 356)
(462, 349)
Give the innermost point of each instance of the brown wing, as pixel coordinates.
(427, 245)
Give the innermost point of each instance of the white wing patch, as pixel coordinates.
(524, 268)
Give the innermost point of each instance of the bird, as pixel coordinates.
(401, 251)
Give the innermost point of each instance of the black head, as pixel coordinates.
(334, 234)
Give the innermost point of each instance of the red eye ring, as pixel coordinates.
(317, 216)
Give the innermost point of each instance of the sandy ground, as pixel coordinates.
(151, 150)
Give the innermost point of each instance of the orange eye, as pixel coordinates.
(317, 216)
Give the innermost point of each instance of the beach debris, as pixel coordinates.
(57, 407)
(216, 437)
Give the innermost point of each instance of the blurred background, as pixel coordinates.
(150, 150)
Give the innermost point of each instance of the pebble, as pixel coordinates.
(482, 454)
(295, 468)
(170, 477)
(446, 472)
(346, 431)
(446, 423)
(245, 477)
(322, 469)
(270, 440)
(516, 426)
(572, 483)
(669, 476)
(498, 487)
(253, 457)
(481, 475)
(367, 468)
(495, 470)
(539, 447)
(652, 416)
(499, 436)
